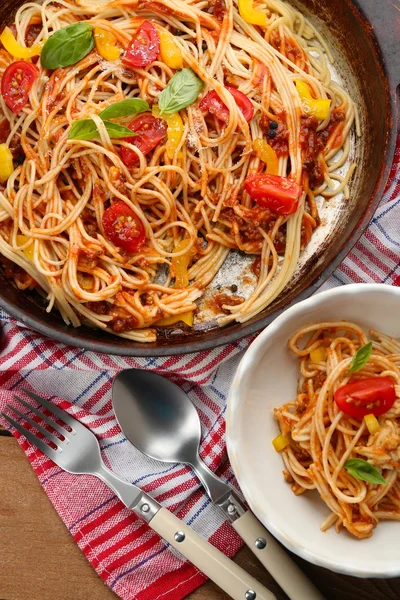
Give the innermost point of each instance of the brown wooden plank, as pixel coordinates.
(40, 561)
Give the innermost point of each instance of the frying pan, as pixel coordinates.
(364, 36)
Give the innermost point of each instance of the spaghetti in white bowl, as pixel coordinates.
(340, 435)
(267, 378)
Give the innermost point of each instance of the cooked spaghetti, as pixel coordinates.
(239, 128)
(341, 436)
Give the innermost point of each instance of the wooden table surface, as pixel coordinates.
(40, 561)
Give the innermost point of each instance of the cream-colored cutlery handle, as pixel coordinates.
(218, 567)
(279, 564)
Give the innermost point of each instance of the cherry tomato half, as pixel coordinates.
(16, 84)
(123, 228)
(144, 47)
(213, 103)
(150, 132)
(374, 395)
(279, 194)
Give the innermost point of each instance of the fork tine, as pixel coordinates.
(59, 412)
(52, 454)
(42, 430)
(37, 412)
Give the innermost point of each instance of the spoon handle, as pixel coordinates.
(218, 567)
(274, 558)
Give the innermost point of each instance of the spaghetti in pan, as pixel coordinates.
(143, 141)
(341, 435)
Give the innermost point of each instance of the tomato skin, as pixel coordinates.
(144, 47)
(213, 103)
(123, 228)
(243, 103)
(150, 132)
(367, 392)
(16, 84)
(280, 194)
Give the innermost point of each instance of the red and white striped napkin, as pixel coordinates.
(132, 559)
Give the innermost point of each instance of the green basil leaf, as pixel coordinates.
(361, 357)
(86, 129)
(67, 46)
(118, 131)
(130, 106)
(361, 469)
(182, 90)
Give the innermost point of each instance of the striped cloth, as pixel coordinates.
(130, 558)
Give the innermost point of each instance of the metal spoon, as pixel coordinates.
(159, 419)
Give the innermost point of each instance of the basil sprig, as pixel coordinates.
(130, 106)
(182, 90)
(361, 469)
(86, 129)
(67, 46)
(361, 357)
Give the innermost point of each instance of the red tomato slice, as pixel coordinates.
(243, 103)
(16, 84)
(374, 395)
(123, 228)
(144, 47)
(213, 103)
(150, 132)
(279, 194)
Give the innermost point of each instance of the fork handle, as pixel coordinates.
(218, 567)
(274, 558)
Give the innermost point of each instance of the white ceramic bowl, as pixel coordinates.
(266, 378)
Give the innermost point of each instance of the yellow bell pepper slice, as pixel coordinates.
(29, 250)
(15, 49)
(170, 52)
(280, 442)
(250, 14)
(318, 355)
(372, 423)
(179, 264)
(179, 269)
(6, 163)
(174, 131)
(106, 44)
(315, 107)
(267, 154)
(186, 317)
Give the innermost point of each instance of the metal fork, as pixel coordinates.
(78, 451)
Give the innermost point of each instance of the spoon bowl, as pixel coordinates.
(156, 416)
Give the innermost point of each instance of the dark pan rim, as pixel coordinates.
(227, 337)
